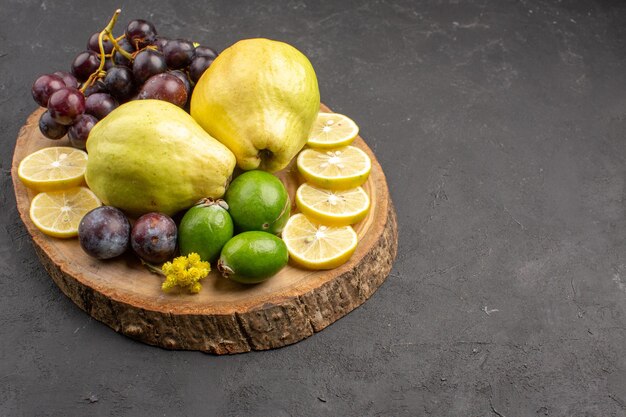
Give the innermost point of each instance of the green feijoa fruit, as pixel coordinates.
(252, 257)
(258, 200)
(205, 228)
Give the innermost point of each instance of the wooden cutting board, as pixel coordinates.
(225, 317)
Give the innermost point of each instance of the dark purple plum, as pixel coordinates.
(153, 237)
(66, 104)
(104, 232)
(166, 87)
(45, 86)
(49, 128)
(79, 131)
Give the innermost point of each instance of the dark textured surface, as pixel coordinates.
(500, 126)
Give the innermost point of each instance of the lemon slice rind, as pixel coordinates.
(334, 169)
(316, 246)
(333, 208)
(331, 130)
(54, 168)
(58, 213)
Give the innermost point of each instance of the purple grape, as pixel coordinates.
(160, 42)
(68, 79)
(119, 82)
(97, 87)
(45, 86)
(198, 66)
(93, 45)
(49, 128)
(178, 53)
(85, 64)
(166, 87)
(140, 33)
(120, 59)
(205, 51)
(100, 104)
(153, 237)
(108, 64)
(104, 232)
(79, 131)
(148, 63)
(66, 104)
(183, 77)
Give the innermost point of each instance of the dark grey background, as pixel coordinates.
(501, 127)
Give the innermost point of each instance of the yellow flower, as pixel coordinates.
(185, 272)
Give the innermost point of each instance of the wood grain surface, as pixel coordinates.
(225, 317)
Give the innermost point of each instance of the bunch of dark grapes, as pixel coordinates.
(135, 66)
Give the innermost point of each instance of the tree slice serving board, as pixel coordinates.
(225, 317)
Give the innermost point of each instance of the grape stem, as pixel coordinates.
(107, 31)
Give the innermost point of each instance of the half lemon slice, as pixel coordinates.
(315, 246)
(331, 130)
(58, 213)
(333, 208)
(54, 168)
(334, 169)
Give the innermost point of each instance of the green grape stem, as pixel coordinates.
(107, 31)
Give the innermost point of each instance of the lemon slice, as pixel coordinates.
(334, 169)
(316, 246)
(331, 130)
(333, 208)
(54, 168)
(58, 213)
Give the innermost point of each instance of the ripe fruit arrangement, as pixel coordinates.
(138, 65)
(128, 95)
(273, 294)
